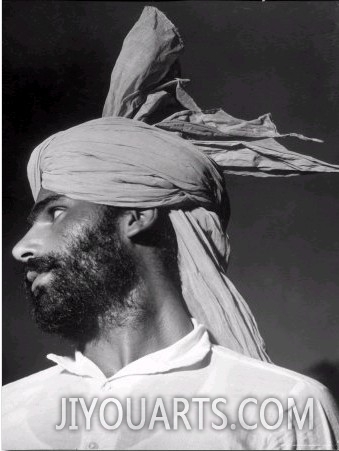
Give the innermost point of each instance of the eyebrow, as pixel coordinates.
(40, 206)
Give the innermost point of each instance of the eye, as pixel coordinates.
(55, 212)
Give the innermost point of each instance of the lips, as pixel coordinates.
(31, 275)
(37, 279)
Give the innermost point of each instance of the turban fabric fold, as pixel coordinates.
(155, 147)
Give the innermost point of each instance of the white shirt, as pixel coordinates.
(191, 368)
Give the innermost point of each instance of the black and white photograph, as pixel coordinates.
(170, 233)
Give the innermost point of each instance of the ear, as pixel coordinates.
(137, 221)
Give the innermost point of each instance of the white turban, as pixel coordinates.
(123, 162)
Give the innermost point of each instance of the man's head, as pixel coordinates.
(143, 170)
(119, 178)
(83, 263)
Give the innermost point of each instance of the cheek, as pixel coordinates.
(75, 225)
(62, 237)
(75, 240)
(70, 229)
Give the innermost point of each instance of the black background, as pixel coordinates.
(249, 58)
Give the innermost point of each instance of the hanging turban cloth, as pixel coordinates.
(155, 147)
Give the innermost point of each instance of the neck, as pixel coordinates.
(164, 322)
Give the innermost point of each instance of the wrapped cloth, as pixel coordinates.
(155, 147)
(145, 85)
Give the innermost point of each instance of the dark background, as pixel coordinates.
(249, 58)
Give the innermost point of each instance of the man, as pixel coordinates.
(126, 257)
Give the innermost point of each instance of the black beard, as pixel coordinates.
(91, 285)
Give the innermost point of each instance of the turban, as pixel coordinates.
(123, 162)
(155, 147)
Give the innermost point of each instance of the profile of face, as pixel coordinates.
(78, 271)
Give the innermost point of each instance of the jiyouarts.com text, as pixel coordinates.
(179, 412)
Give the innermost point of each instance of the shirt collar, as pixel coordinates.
(189, 350)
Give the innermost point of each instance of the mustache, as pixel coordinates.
(42, 264)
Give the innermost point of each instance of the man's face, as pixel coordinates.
(78, 272)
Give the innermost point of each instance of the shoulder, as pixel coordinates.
(263, 378)
(31, 380)
(17, 392)
(314, 414)
(28, 409)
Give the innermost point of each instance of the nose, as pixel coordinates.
(28, 247)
